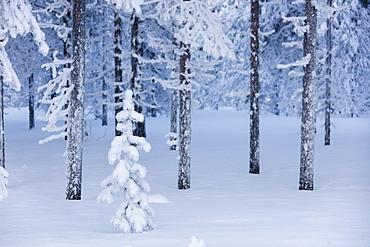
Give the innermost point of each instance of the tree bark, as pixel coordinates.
(329, 46)
(76, 105)
(308, 100)
(254, 155)
(104, 110)
(139, 127)
(2, 137)
(173, 124)
(185, 121)
(118, 92)
(31, 102)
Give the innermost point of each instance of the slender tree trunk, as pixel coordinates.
(104, 110)
(118, 92)
(67, 21)
(308, 101)
(76, 105)
(329, 45)
(185, 121)
(254, 158)
(173, 124)
(2, 138)
(139, 128)
(31, 102)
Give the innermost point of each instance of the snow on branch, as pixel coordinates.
(56, 94)
(134, 213)
(198, 27)
(128, 5)
(298, 21)
(16, 18)
(303, 62)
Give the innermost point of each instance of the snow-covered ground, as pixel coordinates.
(226, 206)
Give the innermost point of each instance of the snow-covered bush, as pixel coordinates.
(134, 214)
(197, 243)
(3, 182)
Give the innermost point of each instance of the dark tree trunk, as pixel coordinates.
(329, 45)
(76, 105)
(104, 110)
(308, 101)
(185, 121)
(2, 138)
(139, 127)
(67, 21)
(254, 158)
(31, 102)
(173, 124)
(118, 92)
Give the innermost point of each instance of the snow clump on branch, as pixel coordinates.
(133, 215)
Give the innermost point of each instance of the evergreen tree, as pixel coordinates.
(16, 18)
(134, 213)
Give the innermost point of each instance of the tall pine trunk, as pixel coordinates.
(104, 110)
(31, 102)
(308, 100)
(254, 154)
(2, 138)
(173, 124)
(118, 92)
(329, 46)
(76, 105)
(185, 121)
(139, 127)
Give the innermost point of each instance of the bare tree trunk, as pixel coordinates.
(104, 110)
(139, 127)
(308, 101)
(173, 124)
(2, 138)
(254, 158)
(31, 102)
(185, 121)
(329, 45)
(118, 92)
(76, 105)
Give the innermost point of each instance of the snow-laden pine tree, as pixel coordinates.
(134, 213)
(196, 27)
(15, 18)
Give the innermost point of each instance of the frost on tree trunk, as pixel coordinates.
(308, 100)
(76, 104)
(139, 127)
(117, 67)
(2, 139)
(173, 124)
(254, 158)
(185, 121)
(329, 45)
(31, 102)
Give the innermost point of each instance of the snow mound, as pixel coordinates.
(158, 198)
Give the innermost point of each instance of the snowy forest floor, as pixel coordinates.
(226, 206)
